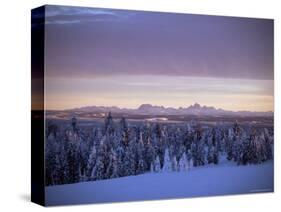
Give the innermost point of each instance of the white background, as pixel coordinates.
(15, 104)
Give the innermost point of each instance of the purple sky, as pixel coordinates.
(89, 49)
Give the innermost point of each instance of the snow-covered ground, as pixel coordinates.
(224, 179)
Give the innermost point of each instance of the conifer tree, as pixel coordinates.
(167, 162)
(174, 164)
(183, 163)
(157, 166)
(91, 162)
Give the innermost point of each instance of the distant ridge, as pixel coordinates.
(149, 109)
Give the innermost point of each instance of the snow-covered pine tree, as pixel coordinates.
(123, 124)
(149, 155)
(182, 151)
(124, 132)
(174, 164)
(152, 167)
(91, 162)
(167, 167)
(52, 129)
(112, 169)
(98, 170)
(108, 124)
(141, 164)
(158, 142)
(183, 163)
(129, 161)
(210, 154)
(51, 164)
(251, 150)
(262, 148)
(120, 154)
(157, 166)
(72, 163)
(74, 123)
(268, 144)
(189, 159)
(198, 152)
(229, 144)
(216, 155)
(84, 150)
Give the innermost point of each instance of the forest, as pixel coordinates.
(118, 148)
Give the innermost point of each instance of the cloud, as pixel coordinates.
(73, 15)
(68, 10)
(89, 42)
(62, 22)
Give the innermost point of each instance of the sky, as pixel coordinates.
(125, 58)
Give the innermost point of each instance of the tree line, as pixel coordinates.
(117, 148)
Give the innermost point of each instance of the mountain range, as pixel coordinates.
(148, 109)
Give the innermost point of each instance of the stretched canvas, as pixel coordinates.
(136, 105)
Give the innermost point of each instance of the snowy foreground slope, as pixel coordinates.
(224, 179)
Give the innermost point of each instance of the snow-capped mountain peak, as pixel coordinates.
(194, 109)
